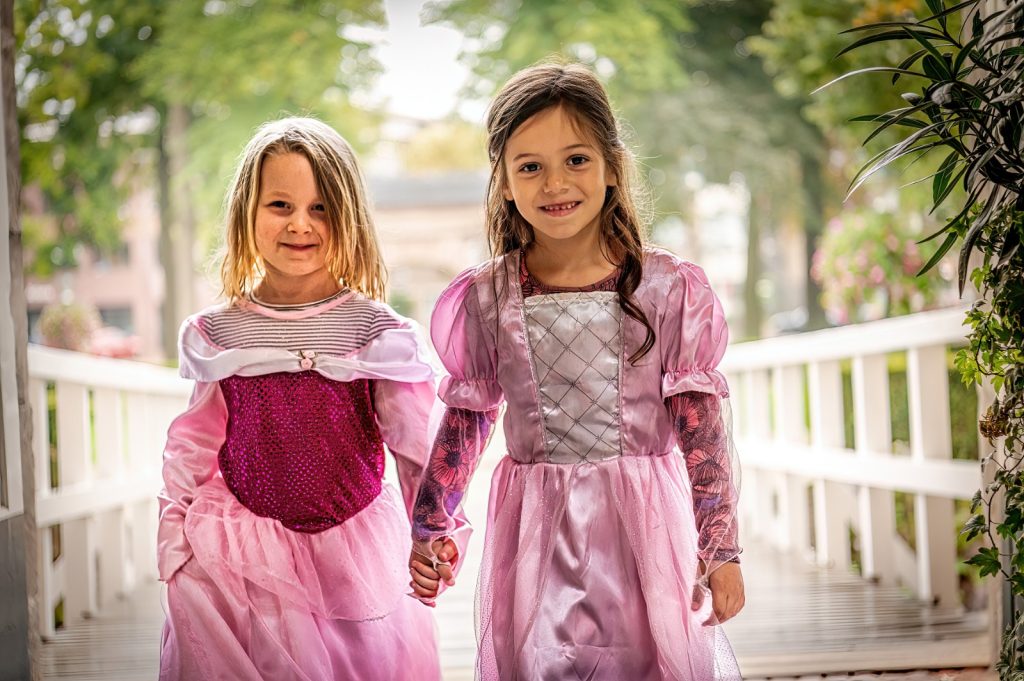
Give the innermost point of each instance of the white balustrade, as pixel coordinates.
(805, 491)
(96, 489)
(803, 488)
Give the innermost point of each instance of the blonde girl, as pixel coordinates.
(282, 548)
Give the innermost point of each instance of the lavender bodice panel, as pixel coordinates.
(301, 448)
(575, 348)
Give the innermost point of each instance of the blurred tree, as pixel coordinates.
(117, 91)
(682, 75)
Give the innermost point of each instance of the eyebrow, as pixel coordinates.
(580, 145)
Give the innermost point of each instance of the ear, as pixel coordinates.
(507, 193)
(613, 179)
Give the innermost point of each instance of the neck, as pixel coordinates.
(294, 290)
(578, 260)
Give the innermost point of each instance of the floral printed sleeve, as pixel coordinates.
(459, 443)
(703, 437)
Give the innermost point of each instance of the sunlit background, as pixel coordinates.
(132, 114)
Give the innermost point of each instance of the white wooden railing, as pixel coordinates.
(96, 489)
(801, 486)
(804, 490)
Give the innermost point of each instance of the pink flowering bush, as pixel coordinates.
(867, 264)
(69, 327)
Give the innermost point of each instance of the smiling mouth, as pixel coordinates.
(558, 209)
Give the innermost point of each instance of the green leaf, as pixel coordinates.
(949, 10)
(939, 254)
(870, 69)
(907, 63)
(938, 63)
(974, 526)
(944, 175)
(987, 560)
(885, 36)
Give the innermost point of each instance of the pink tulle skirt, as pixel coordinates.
(589, 572)
(258, 601)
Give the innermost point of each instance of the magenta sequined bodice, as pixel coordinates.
(301, 448)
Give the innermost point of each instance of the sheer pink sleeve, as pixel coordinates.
(693, 335)
(190, 459)
(704, 440)
(465, 343)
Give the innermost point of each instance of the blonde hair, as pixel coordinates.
(624, 215)
(352, 254)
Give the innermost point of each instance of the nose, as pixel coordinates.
(554, 182)
(301, 223)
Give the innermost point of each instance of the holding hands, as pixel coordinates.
(427, 572)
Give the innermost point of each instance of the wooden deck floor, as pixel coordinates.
(798, 621)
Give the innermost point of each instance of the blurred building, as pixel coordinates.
(126, 287)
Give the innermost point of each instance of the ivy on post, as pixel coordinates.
(964, 64)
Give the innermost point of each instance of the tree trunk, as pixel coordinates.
(691, 227)
(177, 224)
(813, 182)
(758, 212)
(19, 641)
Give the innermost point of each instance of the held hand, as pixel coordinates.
(427, 574)
(727, 594)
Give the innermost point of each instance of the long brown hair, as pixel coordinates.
(353, 254)
(581, 94)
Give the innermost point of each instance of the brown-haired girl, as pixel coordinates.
(283, 551)
(602, 540)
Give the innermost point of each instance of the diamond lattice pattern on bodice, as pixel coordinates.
(576, 342)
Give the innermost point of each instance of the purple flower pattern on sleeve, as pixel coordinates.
(701, 433)
(460, 441)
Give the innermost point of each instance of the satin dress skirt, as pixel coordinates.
(589, 572)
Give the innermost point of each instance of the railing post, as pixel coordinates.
(873, 434)
(75, 468)
(787, 389)
(832, 501)
(756, 394)
(110, 464)
(930, 438)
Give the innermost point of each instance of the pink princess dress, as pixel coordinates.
(599, 533)
(284, 552)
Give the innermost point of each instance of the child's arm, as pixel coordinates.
(190, 459)
(704, 439)
(437, 520)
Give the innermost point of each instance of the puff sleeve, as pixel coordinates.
(464, 338)
(694, 338)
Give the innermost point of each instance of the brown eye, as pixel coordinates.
(529, 167)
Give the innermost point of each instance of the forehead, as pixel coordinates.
(289, 171)
(549, 130)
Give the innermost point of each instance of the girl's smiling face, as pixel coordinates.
(556, 176)
(291, 226)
